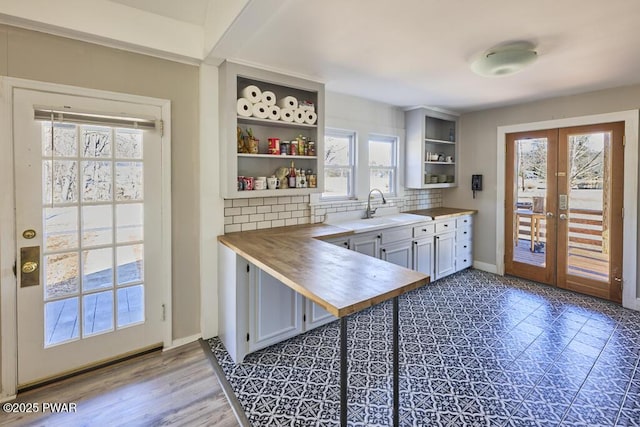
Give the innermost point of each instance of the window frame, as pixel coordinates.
(393, 169)
(351, 167)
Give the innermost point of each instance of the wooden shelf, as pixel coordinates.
(275, 193)
(274, 123)
(439, 141)
(275, 156)
(441, 185)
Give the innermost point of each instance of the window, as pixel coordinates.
(383, 163)
(339, 164)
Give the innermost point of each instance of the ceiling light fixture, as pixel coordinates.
(504, 59)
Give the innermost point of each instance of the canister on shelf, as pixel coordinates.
(284, 148)
(293, 148)
(311, 150)
(274, 145)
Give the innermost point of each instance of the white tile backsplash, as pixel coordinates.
(269, 212)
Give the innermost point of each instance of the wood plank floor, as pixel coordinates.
(176, 387)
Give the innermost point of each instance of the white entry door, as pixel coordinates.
(88, 231)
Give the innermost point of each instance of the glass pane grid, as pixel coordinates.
(85, 279)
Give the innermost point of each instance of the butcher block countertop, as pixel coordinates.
(337, 279)
(443, 213)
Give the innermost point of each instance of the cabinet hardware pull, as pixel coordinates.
(446, 225)
(424, 229)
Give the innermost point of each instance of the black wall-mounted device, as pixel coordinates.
(476, 184)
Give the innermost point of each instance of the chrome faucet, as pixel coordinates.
(369, 212)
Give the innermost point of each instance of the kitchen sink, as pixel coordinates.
(356, 223)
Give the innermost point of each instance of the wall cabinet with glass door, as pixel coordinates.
(431, 149)
(245, 131)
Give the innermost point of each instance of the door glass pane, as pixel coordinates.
(79, 254)
(129, 181)
(97, 269)
(60, 228)
(589, 168)
(60, 181)
(128, 144)
(97, 183)
(129, 220)
(65, 142)
(96, 141)
(61, 274)
(97, 313)
(530, 177)
(60, 321)
(130, 265)
(97, 225)
(130, 305)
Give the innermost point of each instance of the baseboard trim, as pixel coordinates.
(489, 268)
(182, 341)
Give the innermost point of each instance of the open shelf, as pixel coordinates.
(274, 123)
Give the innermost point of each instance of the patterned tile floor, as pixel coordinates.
(476, 350)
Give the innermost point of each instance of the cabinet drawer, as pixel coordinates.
(395, 234)
(463, 248)
(423, 230)
(445, 226)
(463, 234)
(463, 262)
(464, 221)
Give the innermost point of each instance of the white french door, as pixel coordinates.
(88, 198)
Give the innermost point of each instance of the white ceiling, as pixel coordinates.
(417, 52)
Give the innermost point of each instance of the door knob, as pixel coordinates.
(29, 267)
(550, 214)
(563, 216)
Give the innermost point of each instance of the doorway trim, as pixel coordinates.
(630, 226)
(8, 283)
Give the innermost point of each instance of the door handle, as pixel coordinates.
(29, 267)
(550, 214)
(564, 216)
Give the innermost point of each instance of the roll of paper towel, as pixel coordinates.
(299, 116)
(268, 98)
(288, 102)
(260, 110)
(252, 93)
(310, 117)
(245, 108)
(286, 115)
(274, 112)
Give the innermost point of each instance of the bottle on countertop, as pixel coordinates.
(292, 176)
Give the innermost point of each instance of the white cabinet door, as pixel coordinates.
(368, 244)
(445, 254)
(275, 311)
(423, 256)
(315, 315)
(398, 253)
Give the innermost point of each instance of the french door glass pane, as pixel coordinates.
(61, 274)
(60, 181)
(130, 264)
(65, 142)
(530, 190)
(97, 225)
(97, 313)
(130, 305)
(97, 269)
(61, 321)
(589, 168)
(129, 218)
(80, 233)
(60, 228)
